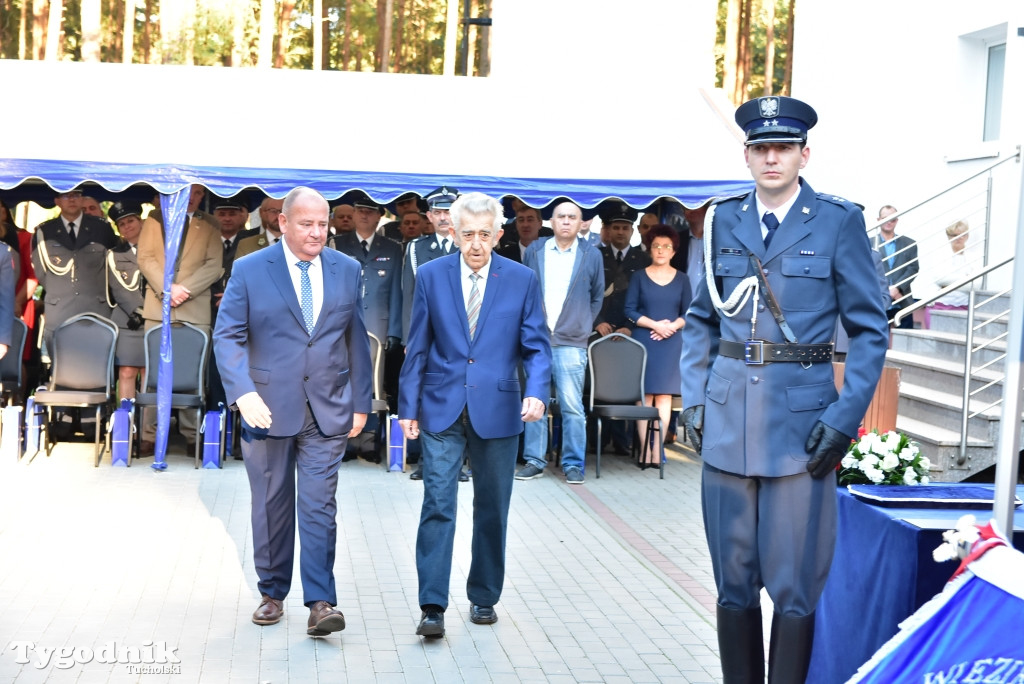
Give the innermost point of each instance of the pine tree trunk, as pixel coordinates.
(787, 70)
(485, 40)
(128, 33)
(451, 37)
(23, 31)
(743, 54)
(385, 21)
(346, 42)
(730, 61)
(283, 24)
(146, 37)
(399, 31)
(769, 47)
(90, 10)
(54, 34)
(325, 37)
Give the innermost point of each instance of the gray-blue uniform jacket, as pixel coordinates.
(819, 265)
(420, 251)
(382, 282)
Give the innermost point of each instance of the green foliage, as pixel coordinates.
(757, 44)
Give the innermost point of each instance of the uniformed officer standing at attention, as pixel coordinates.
(757, 384)
(69, 254)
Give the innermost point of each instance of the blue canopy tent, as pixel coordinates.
(686, 149)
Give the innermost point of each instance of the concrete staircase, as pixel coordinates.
(931, 389)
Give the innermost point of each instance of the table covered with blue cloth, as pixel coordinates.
(882, 572)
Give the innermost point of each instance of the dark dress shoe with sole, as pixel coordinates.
(482, 615)
(463, 476)
(416, 474)
(431, 623)
(269, 612)
(324, 619)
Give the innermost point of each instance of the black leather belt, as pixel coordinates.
(759, 352)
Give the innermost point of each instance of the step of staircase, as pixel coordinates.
(986, 324)
(945, 375)
(939, 408)
(942, 447)
(949, 345)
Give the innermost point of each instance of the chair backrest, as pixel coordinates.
(377, 359)
(10, 365)
(617, 363)
(83, 354)
(190, 349)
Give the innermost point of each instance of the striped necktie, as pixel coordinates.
(473, 305)
(306, 295)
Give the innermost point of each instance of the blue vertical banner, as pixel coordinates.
(174, 208)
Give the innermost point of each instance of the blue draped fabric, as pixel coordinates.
(174, 207)
(62, 175)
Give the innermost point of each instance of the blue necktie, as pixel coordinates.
(771, 223)
(306, 298)
(890, 251)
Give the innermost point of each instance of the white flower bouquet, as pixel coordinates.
(891, 458)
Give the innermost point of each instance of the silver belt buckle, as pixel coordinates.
(753, 352)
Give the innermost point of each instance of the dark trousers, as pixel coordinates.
(775, 532)
(494, 463)
(272, 464)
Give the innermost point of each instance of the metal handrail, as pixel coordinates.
(921, 303)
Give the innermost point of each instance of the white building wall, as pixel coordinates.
(899, 88)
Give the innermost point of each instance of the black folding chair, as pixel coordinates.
(617, 363)
(10, 365)
(82, 371)
(380, 401)
(190, 349)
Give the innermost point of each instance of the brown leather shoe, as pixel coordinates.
(324, 619)
(146, 448)
(269, 612)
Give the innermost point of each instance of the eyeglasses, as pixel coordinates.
(661, 248)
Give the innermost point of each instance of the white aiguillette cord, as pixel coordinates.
(739, 296)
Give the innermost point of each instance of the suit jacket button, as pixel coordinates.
(305, 379)
(754, 380)
(310, 344)
(471, 361)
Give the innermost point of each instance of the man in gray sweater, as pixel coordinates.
(571, 277)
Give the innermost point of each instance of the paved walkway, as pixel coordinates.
(606, 582)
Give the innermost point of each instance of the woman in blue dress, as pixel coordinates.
(656, 303)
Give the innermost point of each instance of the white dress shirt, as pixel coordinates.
(467, 283)
(316, 279)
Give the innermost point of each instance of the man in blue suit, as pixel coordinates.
(295, 360)
(757, 384)
(475, 317)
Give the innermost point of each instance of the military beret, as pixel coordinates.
(616, 210)
(442, 198)
(775, 119)
(118, 210)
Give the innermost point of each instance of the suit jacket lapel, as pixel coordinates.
(331, 289)
(459, 304)
(748, 226)
(491, 291)
(278, 271)
(794, 228)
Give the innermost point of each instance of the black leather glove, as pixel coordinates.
(827, 446)
(693, 423)
(135, 320)
(392, 343)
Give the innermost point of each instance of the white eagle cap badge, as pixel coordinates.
(769, 106)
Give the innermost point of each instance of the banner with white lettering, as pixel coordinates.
(970, 633)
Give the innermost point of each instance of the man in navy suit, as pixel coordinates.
(295, 360)
(899, 257)
(475, 318)
(761, 403)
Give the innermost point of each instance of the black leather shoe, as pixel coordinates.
(431, 623)
(349, 456)
(416, 474)
(482, 615)
(463, 476)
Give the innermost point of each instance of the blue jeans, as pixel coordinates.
(494, 463)
(567, 367)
